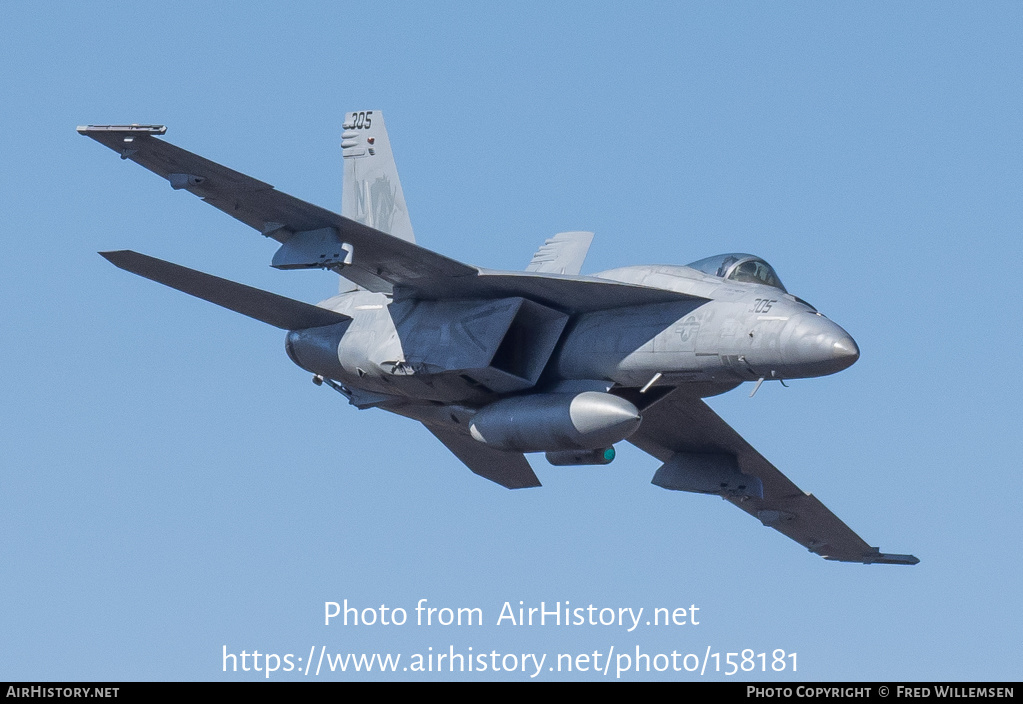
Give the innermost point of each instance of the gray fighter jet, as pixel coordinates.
(497, 363)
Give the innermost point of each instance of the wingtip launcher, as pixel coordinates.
(134, 129)
(110, 134)
(874, 557)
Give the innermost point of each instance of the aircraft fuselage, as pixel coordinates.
(448, 352)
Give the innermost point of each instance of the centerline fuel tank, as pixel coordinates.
(555, 422)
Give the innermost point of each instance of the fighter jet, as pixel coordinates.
(497, 364)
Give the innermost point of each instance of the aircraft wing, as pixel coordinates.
(312, 237)
(379, 260)
(684, 424)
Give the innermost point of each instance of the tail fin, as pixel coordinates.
(562, 254)
(371, 192)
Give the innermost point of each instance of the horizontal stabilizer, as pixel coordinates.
(509, 469)
(279, 311)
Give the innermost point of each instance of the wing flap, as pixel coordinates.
(684, 424)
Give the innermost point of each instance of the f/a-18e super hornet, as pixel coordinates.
(496, 363)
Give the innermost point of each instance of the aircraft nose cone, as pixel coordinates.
(817, 347)
(845, 349)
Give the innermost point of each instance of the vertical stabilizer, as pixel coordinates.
(371, 191)
(562, 254)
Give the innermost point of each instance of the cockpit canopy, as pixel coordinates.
(739, 267)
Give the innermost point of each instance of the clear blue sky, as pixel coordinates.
(171, 484)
